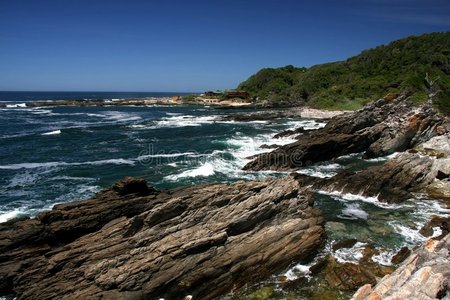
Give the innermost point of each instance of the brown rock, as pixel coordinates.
(391, 96)
(441, 130)
(436, 221)
(265, 146)
(401, 255)
(348, 276)
(202, 241)
(344, 244)
(424, 275)
(378, 129)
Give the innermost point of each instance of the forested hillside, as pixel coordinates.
(415, 66)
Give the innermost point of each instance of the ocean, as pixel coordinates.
(19, 97)
(51, 155)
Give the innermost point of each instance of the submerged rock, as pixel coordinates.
(348, 276)
(344, 244)
(202, 241)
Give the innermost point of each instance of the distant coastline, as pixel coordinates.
(27, 96)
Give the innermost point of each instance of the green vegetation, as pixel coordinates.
(402, 67)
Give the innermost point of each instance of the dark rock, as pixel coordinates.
(130, 185)
(368, 252)
(287, 133)
(265, 146)
(318, 266)
(378, 129)
(395, 182)
(201, 241)
(441, 175)
(436, 221)
(344, 244)
(269, 115)
(292, 284)
(401, 255)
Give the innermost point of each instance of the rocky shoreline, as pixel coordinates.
(134, 242)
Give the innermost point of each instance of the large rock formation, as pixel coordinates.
(424, 168)
(132, 242)
(378, 129)
(424, 275)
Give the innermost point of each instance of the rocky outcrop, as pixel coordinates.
(292, 112)
(298, 132)
(424, 275)
(132, 242)
(378, 129)
(417, 170)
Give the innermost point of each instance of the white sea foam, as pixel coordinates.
(352, 197)
(55, 132)
(185, 121)
(239, 146)
(321, 170)
(384, 257)
(351, 156)
(6, 216)
(353, 211)
(306, 124)
(411, 236)
(353, 254)
(16, 105)
(383, 158)
(204, 170)
(116, 161)
(169, 155)
(121, 116)
(437, 231)
(297, 271)
(23, 179)
(95, 115)
(244, 147)
(40, 111)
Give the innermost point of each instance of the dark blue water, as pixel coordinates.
(18, 97)
(58, 154)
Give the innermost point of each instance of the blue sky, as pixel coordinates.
(177, 45)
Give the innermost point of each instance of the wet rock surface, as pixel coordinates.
(132, 242)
